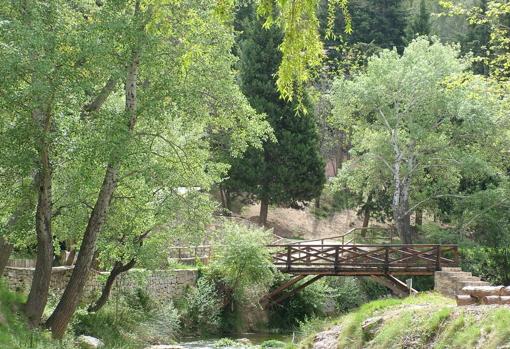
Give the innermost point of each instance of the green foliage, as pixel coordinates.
(288, 168)
(351, 292)
(15, 334)
(306, 304)
(490, 263)
(420, 24)
(243, 261)
(404, 108)
(226, 342)
(130, 321)
(272, 343)
(202, 308)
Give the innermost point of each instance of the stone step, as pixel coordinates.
(451, 269)
(473, 283)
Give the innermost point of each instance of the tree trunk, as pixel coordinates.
(318, 201)
(117, 269)
(418, 217)
(402, 217)
(366, 218)
(5, 253)
(39, 289)
(59, 320)
(264, 206)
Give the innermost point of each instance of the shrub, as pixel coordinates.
(244, 262)
(202, 308)
(226, 342)
(272, 343)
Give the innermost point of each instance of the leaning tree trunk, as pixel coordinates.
(264, 207)
(38, 295)
(5, 252)
(59, 320)
(118, 268)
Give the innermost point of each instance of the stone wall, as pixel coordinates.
(162, 285)
(450, 281)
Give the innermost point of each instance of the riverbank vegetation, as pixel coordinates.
(424, 321)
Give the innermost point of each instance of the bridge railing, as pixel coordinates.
(364, 259)
(367, 235)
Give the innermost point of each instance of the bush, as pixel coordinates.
(202, 308)
(130, 321)
(243, 262)
(272, 343)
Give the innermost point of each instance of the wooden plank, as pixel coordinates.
(298, 288)
(284, 286)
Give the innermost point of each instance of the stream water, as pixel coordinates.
(255, 338)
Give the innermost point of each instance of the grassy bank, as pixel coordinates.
(425, 321)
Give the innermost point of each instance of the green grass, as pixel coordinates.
(14, 333)
(425, 321)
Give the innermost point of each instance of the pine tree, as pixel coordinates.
(421, 23)
(380, 22)
(291, 168)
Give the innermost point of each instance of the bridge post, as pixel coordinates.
(337, 252)
(289, 255)
(438, 257)
(386, 260)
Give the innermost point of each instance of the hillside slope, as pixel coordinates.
(424, 321)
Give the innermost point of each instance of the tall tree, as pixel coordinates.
(290, 168)
(419, 125)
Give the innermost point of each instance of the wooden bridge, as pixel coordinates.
(374, 253)
(310, 260)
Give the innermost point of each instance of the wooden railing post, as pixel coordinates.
(337, 252)
(308, 255)
(438, 257)
(289, 254)
(386, 260)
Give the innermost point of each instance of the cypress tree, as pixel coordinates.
(291, 168)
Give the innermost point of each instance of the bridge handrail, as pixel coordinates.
(342, 237)
(365, 258)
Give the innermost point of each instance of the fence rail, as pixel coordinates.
(364, 259)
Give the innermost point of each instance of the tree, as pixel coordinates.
(421, 122)
(380, 22)
(494, 16)
(420, 25)
(289, 169)
(128, 95)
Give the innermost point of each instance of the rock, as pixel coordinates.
(244, 341)
(165, 346)
(88, 342)
(371, 325)
(327, 339)
(3, 320)
(465, 299)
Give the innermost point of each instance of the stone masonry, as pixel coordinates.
(161, 285)
(450, 281)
